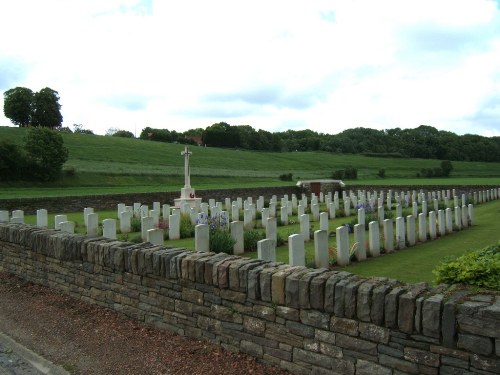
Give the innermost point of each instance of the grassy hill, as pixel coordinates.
(121, 164)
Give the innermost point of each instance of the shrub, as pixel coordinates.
(250, 239)
(221, 241)
(187, 228)
(12, 161)
(286, 177)
(478, 267)
(135, 224)
(381, 173)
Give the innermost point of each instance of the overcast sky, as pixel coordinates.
(274, 65)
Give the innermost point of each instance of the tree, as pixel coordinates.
(45, 153)
(446, 168)
(47, 110)
(18, 105)
(123, 134)
(78, 129)
(12, 161)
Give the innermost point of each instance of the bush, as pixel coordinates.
(381, 173)
(250, 239)
(478, 267)
(12, 162)
(286, 177)
(349, 173)
(338, 174)
(187, 228)
(135, 224)
(221, 241)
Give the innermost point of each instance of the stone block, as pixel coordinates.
(363, 301)
(475, 344)
(355, 344)
(304, 287)
(292, 286)
(345, 326)
(391, 306)
(330, 286)
(485, 364)
(317, 290)
(288, 313)
(399, 364)
(312, 358)
(251, 348)
(422, 357)
(300, 329)
(324, 336)
(350, 297)
(374, 332)
(369, 368)
(315, 318)
(431, 315)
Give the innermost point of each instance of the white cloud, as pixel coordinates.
(321, 65)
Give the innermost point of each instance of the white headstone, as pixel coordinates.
(125, 222)
(432, 225)
(42, 218)
(202, 237)
(284, 215)
(86, 212)
(359, 239)
(137, 210)
(449, 220)
(465, 221)
(422, 227)
(109, 228)
(296, 250)
(18, 214)
(92, 225)
(58, 219)
(343, 247)
(67, 227)
(235, 212)
(120, 207)
(315, 211)
(266, 250)
(323, 221)
(165, 211)
(470, 209)
(388, 236)
(146, 224)
(155, 214)
(321, 256)
(237, 233)
(458, 217)
(157, 206)
(4, 216)
(248, 219)
(174, 229)
(305, 227)
(441, 223)
(271, 230)
(144, 210)
(155, 236)
(374, 238)
(400, 233)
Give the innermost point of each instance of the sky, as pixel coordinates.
(274, 65)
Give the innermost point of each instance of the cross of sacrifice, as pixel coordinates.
(187, 178)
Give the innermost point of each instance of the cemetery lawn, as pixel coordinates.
(411, 265)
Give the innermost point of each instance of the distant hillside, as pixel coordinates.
(124, 156)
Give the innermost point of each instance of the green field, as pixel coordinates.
(101, 165)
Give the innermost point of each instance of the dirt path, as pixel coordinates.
(88, 339)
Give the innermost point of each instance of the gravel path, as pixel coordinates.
(88, 339)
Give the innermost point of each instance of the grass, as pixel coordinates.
(410, 265)
(101, 165)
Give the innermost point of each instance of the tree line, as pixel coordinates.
(424, 142)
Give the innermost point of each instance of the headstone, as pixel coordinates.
(165, 211)
(235, 212)
(4, 216)
(271, 230)
(157, 206)
(144, 211)
(86, 212)
(422, 227)
(315, 211)
(374, 238)
(248, 219)
(321, 256)
(174, 228)
(380, 214)
(92, 224)
(424, 208)
(266, 250)
(155, 214)
(193, 215)
(239, 201)
(470, 208)
(347, 207)
(125, 222)
(284, 215)
(120, 207)
(399, 210)
(289, 208)
(400, 233)
(155, 236)
(238, 235)
(42, 218)
(441, 223)
(253, 210)
(211, 202)
(18, 214)
(449, 220)
(58, 219)
(361, 216)
(436, 205)
(342, 245)
(224, 220)
(296, 250)
(359, 239)
(465, 221)
(109, 228)
(67, 227)
(415, 209)
(146, 224)
(137, 210)
(264, 216)
(388, 236)
(300, 210)
(227, 204)
(202, 237)
(305, 227)
(204, 208)
(323, 221)
(432, 225)
(458, 217)
(272, 209)
(331, 210)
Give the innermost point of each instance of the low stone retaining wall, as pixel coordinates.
(304, 320)
(109, 202)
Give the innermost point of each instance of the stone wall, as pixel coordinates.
(110, 201)
(304, 320)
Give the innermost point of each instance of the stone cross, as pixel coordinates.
(187, 178)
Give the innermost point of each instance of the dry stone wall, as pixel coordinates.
(308, 321)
